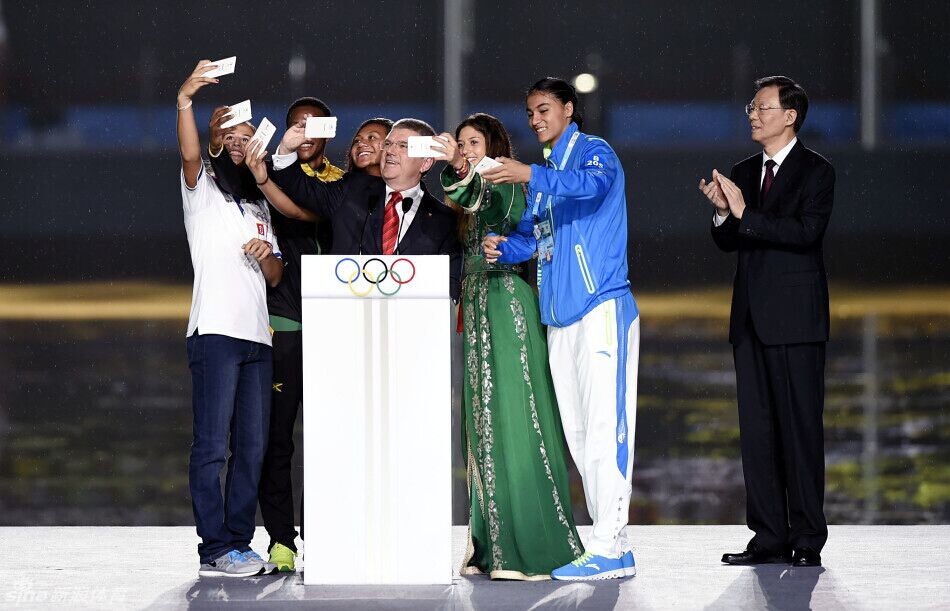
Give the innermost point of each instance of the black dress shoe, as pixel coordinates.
(805, 557)
(754, 555)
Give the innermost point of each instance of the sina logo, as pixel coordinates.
(621, 433)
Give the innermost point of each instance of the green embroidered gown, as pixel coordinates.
(521, 525)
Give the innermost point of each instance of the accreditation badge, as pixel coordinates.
(545, 239)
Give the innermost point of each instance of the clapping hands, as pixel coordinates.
(724, 194)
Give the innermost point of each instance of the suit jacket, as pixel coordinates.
(354, 206)
(780, 274)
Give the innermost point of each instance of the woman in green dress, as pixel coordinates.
(521, 525)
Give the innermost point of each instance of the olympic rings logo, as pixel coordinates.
(375, 271)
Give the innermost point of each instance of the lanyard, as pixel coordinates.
(563, 164)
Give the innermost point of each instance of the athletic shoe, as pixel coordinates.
(283, 557)
(629, 564)
(252, 556)
(589, 568)
(231, 564)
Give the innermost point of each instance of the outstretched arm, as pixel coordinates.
(188, 143)
(599, 167)
(308, 195)
(255, 159)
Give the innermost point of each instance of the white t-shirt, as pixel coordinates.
(230, 293)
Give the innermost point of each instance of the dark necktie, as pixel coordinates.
(391, 223)
(768, 180)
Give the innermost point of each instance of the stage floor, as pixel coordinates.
(866, 567)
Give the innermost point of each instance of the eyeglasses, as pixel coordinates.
(751, 108)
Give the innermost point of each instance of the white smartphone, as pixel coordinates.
(424, 146)
(265, 131)
(223, 67)
(486, 163)
(320, 127)
(240, 113)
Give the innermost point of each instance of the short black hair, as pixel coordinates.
(791, 96)
(383, 122)
(417, 125)
(563, 91)
(315, 102)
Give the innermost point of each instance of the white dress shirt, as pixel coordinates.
(283, 160)
(778, 158)
(405, 218)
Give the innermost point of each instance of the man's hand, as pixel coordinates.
(216, 132)
(733, 195)
(195, 82)
(490, 247)
(714, 193)
(293, 138)
(254, 155)
(509, 172)
(259, 249)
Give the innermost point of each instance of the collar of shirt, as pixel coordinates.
(779, 157)
(405, 219)
(326, 173)
(556, 153)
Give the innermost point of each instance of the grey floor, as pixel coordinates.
(866, 567)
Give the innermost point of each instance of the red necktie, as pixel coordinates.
(391, 223)
(767, 181)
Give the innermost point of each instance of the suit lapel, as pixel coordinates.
(374, 199)
(750, 182)
(415, 229)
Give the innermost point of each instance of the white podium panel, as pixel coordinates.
(377, 420)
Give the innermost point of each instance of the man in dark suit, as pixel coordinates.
(394, 214)
(773, 210)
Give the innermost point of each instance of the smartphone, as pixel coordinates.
(423, 146)
(320, 127)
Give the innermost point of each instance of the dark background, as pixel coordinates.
(87, 140)
(95, 414)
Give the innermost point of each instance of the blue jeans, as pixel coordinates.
(231, 383)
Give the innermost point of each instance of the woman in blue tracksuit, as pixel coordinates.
(576, 225)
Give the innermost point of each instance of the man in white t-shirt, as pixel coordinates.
(235, 257)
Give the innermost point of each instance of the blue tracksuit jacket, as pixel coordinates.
(580, 190)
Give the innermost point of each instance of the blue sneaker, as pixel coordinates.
(629, 564)
(231, 564)
(589, 568)
(269, 568)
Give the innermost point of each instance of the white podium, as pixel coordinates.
(377, 420)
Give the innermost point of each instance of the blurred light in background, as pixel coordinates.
(585, 82)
